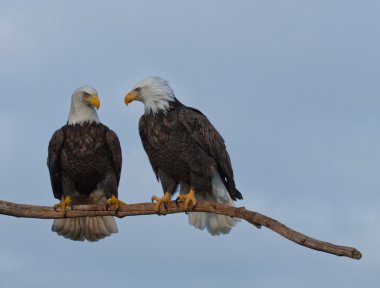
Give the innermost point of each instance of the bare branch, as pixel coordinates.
(255, 218)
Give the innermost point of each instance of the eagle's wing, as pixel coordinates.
(114, 146)
(154, 137)
(209, 139)
(54, 154)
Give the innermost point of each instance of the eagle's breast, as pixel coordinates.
(85, 156)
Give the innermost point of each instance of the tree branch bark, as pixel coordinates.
(255, 218)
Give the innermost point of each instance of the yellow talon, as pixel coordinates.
(188, 198)
(163, 200)
(115, 201)
(63, 204)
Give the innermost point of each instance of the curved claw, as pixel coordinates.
(188, 198)
(63, 205)
(163, 200)
(116, 202)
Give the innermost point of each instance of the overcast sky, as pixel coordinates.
(293, 87)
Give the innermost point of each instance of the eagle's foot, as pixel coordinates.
(63, 204)
(114, 201)
(189, 198)
(163, 200)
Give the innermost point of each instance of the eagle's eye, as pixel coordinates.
(86, 95)
(138, 89)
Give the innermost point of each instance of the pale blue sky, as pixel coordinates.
(293, 87)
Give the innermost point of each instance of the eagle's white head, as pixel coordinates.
(154, 92)
(83, 103)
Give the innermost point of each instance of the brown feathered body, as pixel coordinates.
(83, 158)
(184, 147)
(84, 162)
(186, 150)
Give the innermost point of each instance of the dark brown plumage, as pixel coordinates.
(183, 146)
(81, 157)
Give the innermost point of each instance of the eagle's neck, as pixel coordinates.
(163, 107)
(81, 113)
(159, 103)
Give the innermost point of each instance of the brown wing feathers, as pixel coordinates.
(114, 146)
(54, 153)
(205, 134)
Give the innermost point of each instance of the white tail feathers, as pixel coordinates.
(85, 228)
(214, 223)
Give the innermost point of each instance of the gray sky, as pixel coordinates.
(293, 87)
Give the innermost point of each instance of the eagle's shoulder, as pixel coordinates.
(190, 110)
(200, 128)
(55, 145)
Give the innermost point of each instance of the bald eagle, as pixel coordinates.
(84, 161)
(185, 151)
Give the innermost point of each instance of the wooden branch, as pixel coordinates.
(255, 218)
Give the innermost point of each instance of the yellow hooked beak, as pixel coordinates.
(131, 96)
(94, 101)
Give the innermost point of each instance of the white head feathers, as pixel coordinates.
(83, 103)
(155, 93)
